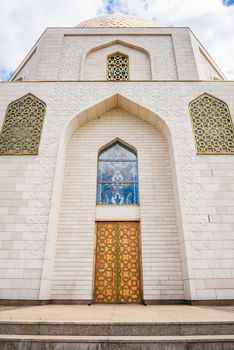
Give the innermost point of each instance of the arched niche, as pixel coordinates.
(85, 119)
(139, 61)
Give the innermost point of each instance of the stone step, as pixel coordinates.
(39, 342)
(74, 328)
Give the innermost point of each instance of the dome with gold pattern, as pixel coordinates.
(117, 20)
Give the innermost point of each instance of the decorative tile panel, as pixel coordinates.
(212, 125)
(22, 126)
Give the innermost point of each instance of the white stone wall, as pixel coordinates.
(74, 262)
(205, 183)
(25, 193)
(210, 73)
(96, 63)
(76, 52)
(61, 52)
(28, 70)
(205, 66)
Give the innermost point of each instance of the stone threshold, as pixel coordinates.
(119, 339)
(27, 302)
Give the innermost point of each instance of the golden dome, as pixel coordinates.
(117, 21)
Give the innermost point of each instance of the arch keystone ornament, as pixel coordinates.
(22, 126)
(212, 125)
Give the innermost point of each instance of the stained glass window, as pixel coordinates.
(117, 176)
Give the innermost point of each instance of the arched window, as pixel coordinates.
(212, 125)
(117, 67)
(22, 126)
(117, 176)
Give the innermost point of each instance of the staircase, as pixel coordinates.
(73, 335)
(116, 327)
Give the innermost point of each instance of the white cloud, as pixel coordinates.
(23, 21)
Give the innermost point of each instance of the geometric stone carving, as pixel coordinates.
(212, 125)
(117, 67)
(22, 126)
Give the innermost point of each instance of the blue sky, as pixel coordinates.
(121, 6)
(5, 74)
(112, 6)
(23, 21)
(228, 2)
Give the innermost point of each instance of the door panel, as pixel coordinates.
(106, 257)
(129, 263)
(117, 270)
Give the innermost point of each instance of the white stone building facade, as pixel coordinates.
(48, 210)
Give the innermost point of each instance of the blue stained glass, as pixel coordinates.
(117, 171)
(117, 194)
(117, 152)
(117, 176)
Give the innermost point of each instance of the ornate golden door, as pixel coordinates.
(117, 270)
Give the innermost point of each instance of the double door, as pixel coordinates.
(117, 268)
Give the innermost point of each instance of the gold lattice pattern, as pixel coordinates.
(117, 67)
(22, 126)
(106, 257)
(212, 125)
(129, 263)
(117, 276)
(117, 20)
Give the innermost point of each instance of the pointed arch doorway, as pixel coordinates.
(74, 263)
